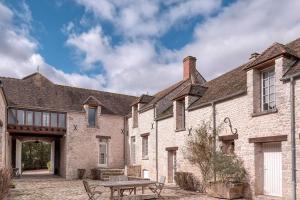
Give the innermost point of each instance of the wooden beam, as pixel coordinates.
(103, 137)
(276, 138)
(228, 137)
(171, 148)
(145, 134)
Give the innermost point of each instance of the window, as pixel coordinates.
(53, 119)
(103, 153)
(133, 150)
(29, 118)
(228, 147)
(46, 119)
(180, 115)
(145, 147)
(268, 90)
(21, 117)
(37, 118)
(62, 120)
(12, 116)
(92, 116)
(135, 116)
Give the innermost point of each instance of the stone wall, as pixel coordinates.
(245, 117)
(3, 129)
(82, 145)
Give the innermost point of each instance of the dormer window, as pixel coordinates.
(180, 114)
(268, 90)
(92, 112)
(135, 116)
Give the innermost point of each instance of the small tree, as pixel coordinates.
(199, 150)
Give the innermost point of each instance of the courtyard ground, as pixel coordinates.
(56, 188)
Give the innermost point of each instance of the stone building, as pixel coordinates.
(255, 97)
(77, 122)
(259, 99)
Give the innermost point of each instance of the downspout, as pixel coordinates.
(156, 143)
(125, 142)
(293, 140)
(214, 131)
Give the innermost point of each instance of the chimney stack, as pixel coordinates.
(253, 56)
(189, 66)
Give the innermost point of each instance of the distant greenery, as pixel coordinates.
(35, 155)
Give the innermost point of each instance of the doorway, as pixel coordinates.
(272, 164)
(171, 166)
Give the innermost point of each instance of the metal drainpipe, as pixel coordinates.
(214, 131)
(293, 132)
(156, 144)
(125, 141)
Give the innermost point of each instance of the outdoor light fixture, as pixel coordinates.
(227, 121)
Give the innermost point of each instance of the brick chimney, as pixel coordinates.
(189, 66)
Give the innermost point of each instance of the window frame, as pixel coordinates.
(145, 147)
(133, 150)
(95, 116)
(99, 153)
(262, 87)
(180, 102)
(135, 116)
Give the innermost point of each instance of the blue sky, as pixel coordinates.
(134, 46)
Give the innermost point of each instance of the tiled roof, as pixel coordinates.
(230, 83)
(36, 91)
(192, 90)
(273, 51)
(143, 99)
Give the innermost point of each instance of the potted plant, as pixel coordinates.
(81, 173)
(230, 177)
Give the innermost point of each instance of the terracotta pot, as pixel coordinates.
(226, 190)
(95, 174)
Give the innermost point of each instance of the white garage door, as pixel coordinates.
(272, 169)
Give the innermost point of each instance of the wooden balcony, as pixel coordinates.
(35, 130)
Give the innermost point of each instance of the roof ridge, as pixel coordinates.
(95, 90)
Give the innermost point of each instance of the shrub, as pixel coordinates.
(229, 168)
(5, 181)
(199, 150)
(187, 181)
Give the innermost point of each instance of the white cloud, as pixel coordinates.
(227, 40)
(220, 43)
(147, 18)
(128, 66)
(19, 57)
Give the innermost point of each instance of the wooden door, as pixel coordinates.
(171, 165)
(272, 169)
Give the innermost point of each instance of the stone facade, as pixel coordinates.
(82, 144)
(3, 128)
(245, 117)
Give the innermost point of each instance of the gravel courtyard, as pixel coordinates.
(55, 188)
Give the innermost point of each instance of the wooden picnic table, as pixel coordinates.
(118, 185)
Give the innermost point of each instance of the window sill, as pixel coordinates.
(181, 129)
(264, 113)
(93, 127)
